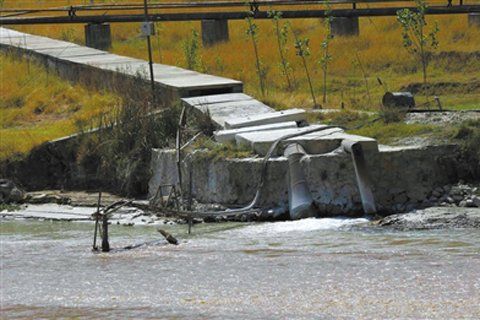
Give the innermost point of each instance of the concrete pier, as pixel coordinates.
(345, 26)
(474, 19)
(214, 31)
(98, 36)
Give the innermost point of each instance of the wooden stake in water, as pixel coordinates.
(105, 244)
(97, 215)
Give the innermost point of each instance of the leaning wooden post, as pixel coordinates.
(97, 215)
(105, 244)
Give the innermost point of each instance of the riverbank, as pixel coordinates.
(451, 206)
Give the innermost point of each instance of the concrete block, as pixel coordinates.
(266, 118)
(225, 136)
(345, 26)
(98, 36)
(214, 31)
(224, 106)
(217, 98)
(474, 19)
(320, 142)
(330, 139)
(260, 142)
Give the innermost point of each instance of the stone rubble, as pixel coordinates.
(10, 192)
(458, 195)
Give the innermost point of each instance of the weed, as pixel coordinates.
(469, 136)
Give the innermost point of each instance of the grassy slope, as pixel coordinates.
(379, 48)
(32, 90)
(36, 106)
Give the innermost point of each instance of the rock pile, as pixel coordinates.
(9, 192)
(459, 195)
(434, 218)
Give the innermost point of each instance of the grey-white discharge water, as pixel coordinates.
(307, 269)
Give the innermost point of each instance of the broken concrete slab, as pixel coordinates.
(217, 98)
(260, 142)
(223, 106)
(320, 142)
(227, 136)
(261, 119)
(330, 139)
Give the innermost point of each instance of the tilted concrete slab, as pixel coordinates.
(221, 107)
(260, 142)
(261, 119)
(228, 136)
(320, 142)
(217, 98)
(330, 139)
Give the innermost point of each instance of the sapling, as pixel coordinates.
(282, 38)
(417, 38)
(252, 31)
(325, 46)
(303, 50)
(191, 48)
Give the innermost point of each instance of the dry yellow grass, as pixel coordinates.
(36, 106)
(379, 48)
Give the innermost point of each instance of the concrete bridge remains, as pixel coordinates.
(396, 179)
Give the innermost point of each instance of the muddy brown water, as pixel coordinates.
(308, 269)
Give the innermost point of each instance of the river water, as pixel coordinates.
(308, 269)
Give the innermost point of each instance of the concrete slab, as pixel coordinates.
(260, 142)
(199, 81)
(9, 33)
(314, 143)
(217, 98)
(330, 139)
(223, 110)
(72, 52)
(228, 136)
(260, 119)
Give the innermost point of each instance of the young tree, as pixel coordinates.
(252, 31)
(326, 56)
(191, 48)
(417, 39)
(303, 51)
(282, 38)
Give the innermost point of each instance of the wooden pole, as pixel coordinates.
(97, 214)
(150, 58)
(105, 244)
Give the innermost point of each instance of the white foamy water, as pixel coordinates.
(303, 225)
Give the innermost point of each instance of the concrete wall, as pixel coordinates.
(402, 178)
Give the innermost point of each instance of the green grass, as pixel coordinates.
(37, 106)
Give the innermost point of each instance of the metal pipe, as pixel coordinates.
(300, 200)
(361, 172)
